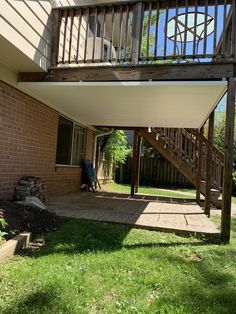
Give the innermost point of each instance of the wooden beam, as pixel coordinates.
(209, 164)
(158, 72)
(228, 162)
(138, 164)
(199, 164)
(134, 176)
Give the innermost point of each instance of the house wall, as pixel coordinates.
(27, 25)
(28, 139)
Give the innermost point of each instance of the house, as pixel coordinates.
(68, 67)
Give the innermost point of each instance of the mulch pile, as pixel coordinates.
(24, 218)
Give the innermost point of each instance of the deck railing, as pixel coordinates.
(145, 32)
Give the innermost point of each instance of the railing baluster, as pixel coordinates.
(64, 39)
(95, 33)
(71, 33)
(185, 26)
(224, 29)
(156, 30)
(120, 32)
(112, 33)
(103, 33)
(215, 27)
(86, 36)
(175, 34)
(166, 26)
(78, 36)
(126, 31)
(195, 30)
(205, 28)
(148, 29)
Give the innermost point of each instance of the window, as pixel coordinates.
(70, 143)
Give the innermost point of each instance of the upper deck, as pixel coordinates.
(144, 32)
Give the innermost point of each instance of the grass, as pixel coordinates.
(90, 267)
(123, 188)
(178, 193)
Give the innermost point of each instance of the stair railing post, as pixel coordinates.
(199, 164)
(209, 164)
(228, 162)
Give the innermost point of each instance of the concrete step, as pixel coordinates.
(215, 195)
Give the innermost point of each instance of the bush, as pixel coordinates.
(3, 225)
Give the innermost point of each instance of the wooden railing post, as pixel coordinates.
(137, 31)
(233, 33)
(138, 164)
(228, 162)
(199, 164)
(209, 164)
(135, 162)
(56, 25)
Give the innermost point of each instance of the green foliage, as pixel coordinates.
(117, 147)
(148, 150)
(219, 135)
(151, 35)
(3, 225)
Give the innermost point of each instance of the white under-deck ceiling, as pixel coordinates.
(133, 104)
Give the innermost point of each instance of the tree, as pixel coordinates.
(219, 138)
(115, 146)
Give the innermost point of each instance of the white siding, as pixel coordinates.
(27, 25)
(84, 2)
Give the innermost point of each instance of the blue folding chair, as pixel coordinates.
(90, 176)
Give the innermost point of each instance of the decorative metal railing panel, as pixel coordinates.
(145, 32)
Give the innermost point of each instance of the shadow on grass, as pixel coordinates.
(39, 302)
(83, 236)
(207, 286)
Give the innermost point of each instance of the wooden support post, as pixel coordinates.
(135, 162)
(138, 164)
(228, 162)
(56, 20)
(209, 164)
(137, 31)
(199, 164)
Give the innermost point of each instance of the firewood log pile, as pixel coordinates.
(28, 187)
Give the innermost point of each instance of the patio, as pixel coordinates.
(182, 216)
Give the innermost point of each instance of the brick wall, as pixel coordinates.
(28, 138)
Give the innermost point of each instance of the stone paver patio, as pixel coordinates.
(160, 213)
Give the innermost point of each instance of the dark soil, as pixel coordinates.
(24, 218)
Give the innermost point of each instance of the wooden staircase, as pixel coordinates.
(182, 147)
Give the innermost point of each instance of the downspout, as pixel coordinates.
(95, 144)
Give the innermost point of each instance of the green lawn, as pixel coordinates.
(123, 188)
(89, 267)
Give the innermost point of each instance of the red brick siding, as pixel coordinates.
(28, 138)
